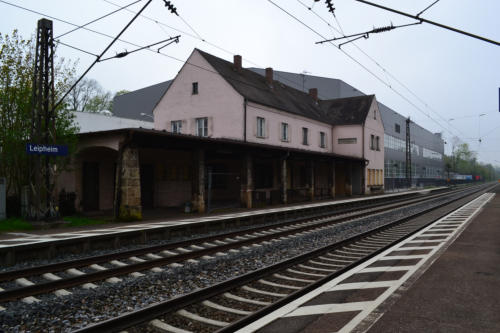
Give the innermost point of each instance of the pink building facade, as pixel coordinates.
(225, 136)
(235, 107)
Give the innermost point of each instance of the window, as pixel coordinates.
(397, 128)
(305, 133)
(195, 88)
(284, 132)
(347, 141)
(378, 143)
(176, 126)
(372, 142)
(322, 139)
(374, 114)
(261, 127)
(202, 126)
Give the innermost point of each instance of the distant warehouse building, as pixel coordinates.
(427, 148)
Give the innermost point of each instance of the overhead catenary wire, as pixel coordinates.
(484, 39)
(360, 64)
(426, 8)
(98, 19)
(385, 71)
(126, 53)
(183, 61)
(367, 33)
(197, 36)
(136, 45)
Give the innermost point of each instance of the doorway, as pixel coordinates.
(90, 186)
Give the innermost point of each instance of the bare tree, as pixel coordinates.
(89, 96)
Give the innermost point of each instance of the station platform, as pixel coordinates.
(445, 278)
(16, 239)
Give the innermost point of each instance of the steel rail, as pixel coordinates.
(49, 286)
(60, 266)
(163, 308)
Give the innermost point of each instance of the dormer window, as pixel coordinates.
(195, 88)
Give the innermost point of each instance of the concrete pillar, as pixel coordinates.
(249, 172)
(200, 199)
(311, 180)
(348, 180)
(332, 191)
(130, 186)
(284, 181)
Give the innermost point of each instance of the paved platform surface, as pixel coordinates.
(460, 292)
(9, 239)
(446, 278)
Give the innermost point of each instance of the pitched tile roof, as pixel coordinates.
(255, 88)
(132, 104)
(349, 110)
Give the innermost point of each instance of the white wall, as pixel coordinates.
(94, 122)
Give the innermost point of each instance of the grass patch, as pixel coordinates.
(14, 224)
(77, 221)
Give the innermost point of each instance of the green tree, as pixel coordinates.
(16, 81)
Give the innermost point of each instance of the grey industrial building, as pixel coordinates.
(427, 147)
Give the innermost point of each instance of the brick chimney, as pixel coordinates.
(269, 76)
(313, 92)
(237, 62)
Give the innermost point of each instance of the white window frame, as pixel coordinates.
(261, 127)
(305, 136)
(176, 126)
(285, 129)
(322, 139)
(202, 126)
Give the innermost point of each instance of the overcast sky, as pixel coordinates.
(430, 74)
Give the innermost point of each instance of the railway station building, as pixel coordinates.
(427, 162)
(226, 136)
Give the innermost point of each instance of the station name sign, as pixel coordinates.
(42, 149)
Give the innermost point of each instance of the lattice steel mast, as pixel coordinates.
(408, 152)
(40, 205)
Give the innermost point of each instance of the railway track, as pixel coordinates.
(88, 272)
(234, 303)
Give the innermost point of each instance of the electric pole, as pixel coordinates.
(40, 202)
(408, 153)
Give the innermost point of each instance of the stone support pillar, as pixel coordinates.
(130, 185)
(249, 173)
(284, 181)
(200, 199)
(332, 190)
(348, 180)
(311, 180)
